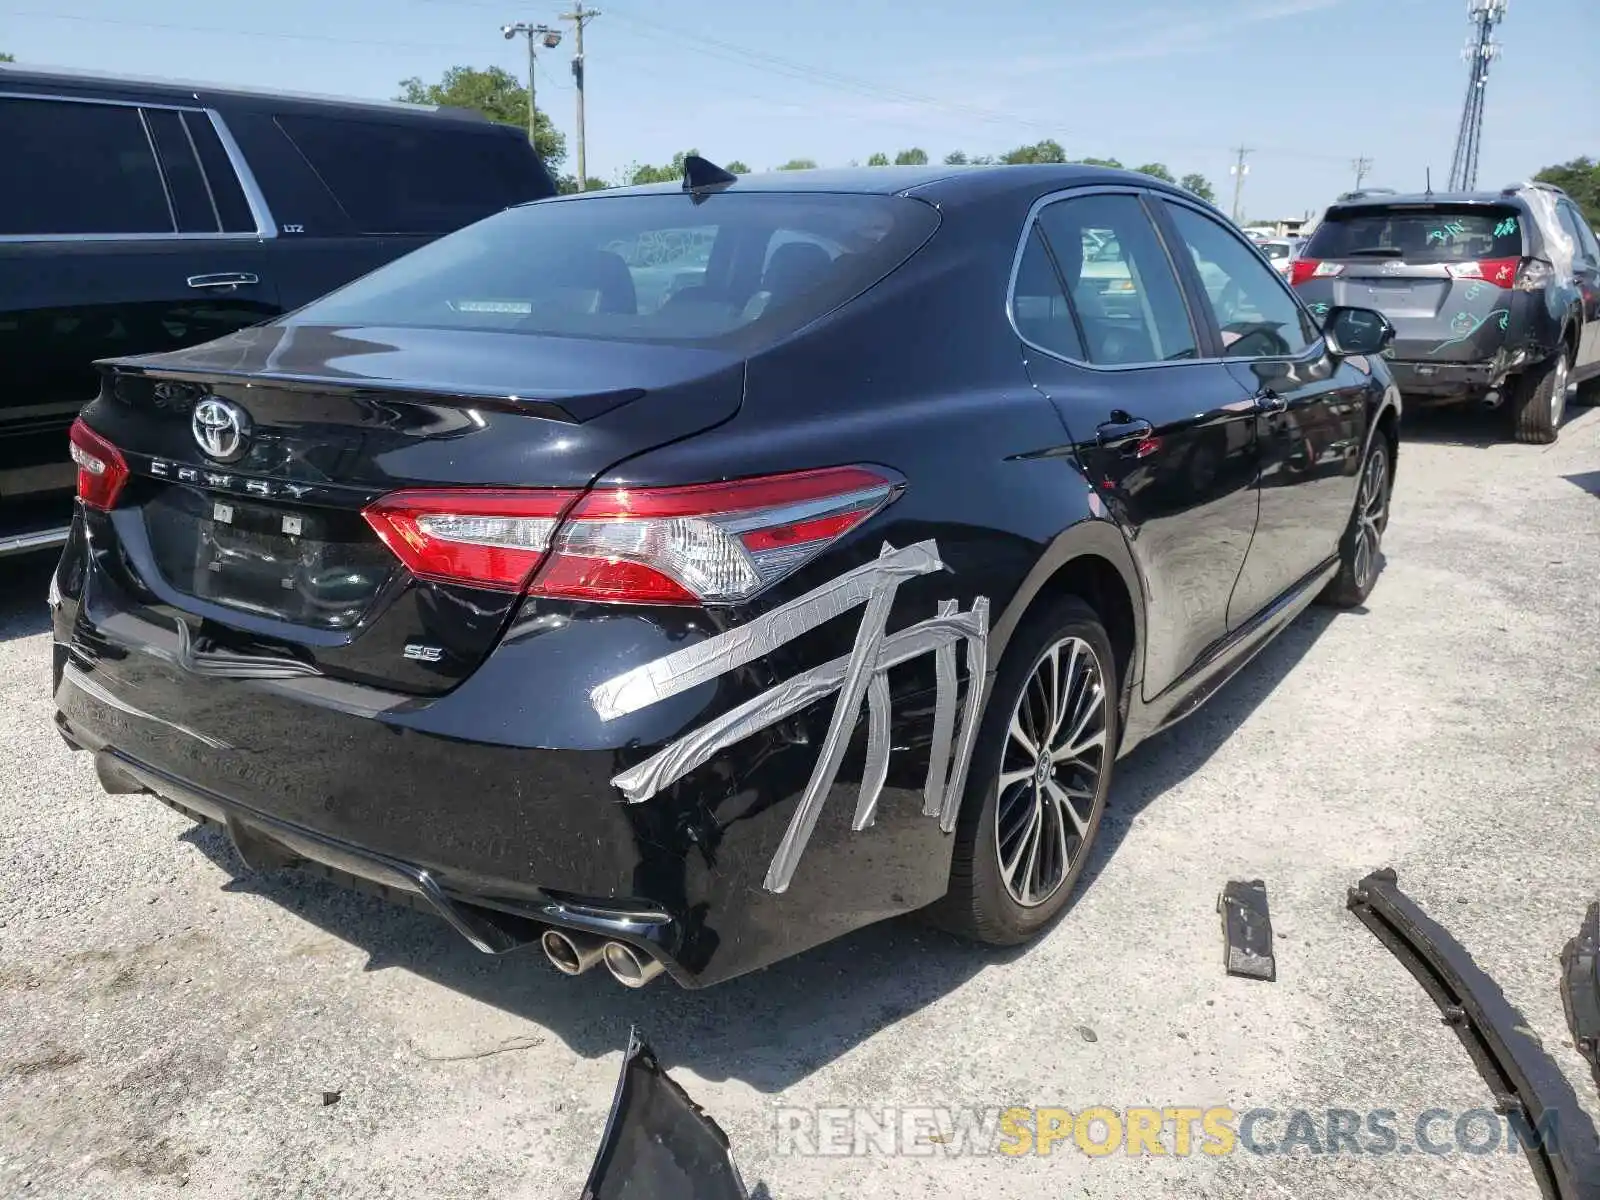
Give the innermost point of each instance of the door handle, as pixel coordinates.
(1114, 434)
(1270, 402)
(223, 279)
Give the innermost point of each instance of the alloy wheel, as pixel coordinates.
(1050, 770)
(1372, 514)
(1558, 396)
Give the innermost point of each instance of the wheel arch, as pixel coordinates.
(1089, 560)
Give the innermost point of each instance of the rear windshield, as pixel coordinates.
(1275, 250)
(731, 269)
(1421, 233)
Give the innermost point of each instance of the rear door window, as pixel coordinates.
(191, 197)
(1255, 313)
(1417, 233)
(1120, 281)
(78, 168)
(1039, 302)
(414, 177)
(663, 267)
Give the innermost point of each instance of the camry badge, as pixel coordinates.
(220, 429)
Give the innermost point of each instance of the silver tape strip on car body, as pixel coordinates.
(944, 721)
(863, 662)
(858, 678)
(93, 689)
(977, 670)
(659, 772)
(689, 668)
(876, 770)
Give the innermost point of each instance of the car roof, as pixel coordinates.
(936, 183)
(1422, 199)
(155, 89)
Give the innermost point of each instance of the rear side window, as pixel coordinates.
(78, 168)
(191, 198)
(416, 178)
(1039, 302)
(737, 270)
(226, 193)
(1120, 281)
(1418, 233)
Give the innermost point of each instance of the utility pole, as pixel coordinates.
(1239, 171)
(1361, 165)
(551, 39)
(580, 16)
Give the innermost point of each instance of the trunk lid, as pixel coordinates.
(1442, 273)
(259, 548)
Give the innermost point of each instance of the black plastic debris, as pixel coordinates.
(658, 1143)
(1580, 989)
(331, 1098)
(1247, 930)
(1529, 1089)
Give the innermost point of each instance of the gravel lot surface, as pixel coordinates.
(170, 1020)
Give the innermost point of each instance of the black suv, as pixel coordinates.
(1494, 296)
(160, 215)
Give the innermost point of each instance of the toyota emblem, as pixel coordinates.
(221, 429)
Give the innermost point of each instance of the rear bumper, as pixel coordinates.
(493, 804)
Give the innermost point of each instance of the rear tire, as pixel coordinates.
(1539, 400)
(1026, 829)
(1363, 537)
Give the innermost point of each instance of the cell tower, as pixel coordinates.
(1481, 50)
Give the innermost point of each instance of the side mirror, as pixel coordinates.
(1356, 331)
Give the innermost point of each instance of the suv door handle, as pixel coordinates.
(1120, 433)
(223, 279)
(1270, 402)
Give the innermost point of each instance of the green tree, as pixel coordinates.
(983, 160)
(1157, 171)
(737, 167)
(671, 173)
(497, 95)
(1579, 179)
(7, 58)
(1200, 186)
(568, 184)
(878, 160)
(1100, 162)
(799, 164)
(914, 157)
(956, 158)
(1047, 151)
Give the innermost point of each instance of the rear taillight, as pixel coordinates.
(102, 471)
(705, 544)
(1311, 268)
(1532, 274)
(1502, 272)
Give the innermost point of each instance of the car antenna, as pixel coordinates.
(1427, 174)
(700, 174)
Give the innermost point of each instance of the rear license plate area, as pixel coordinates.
(319, 567)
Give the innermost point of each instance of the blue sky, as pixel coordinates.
(1311, 84)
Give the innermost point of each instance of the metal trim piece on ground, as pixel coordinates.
(1528, 1086)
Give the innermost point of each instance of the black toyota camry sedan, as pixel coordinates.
(682, 576)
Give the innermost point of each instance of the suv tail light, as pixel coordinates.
(1303, 269)
(705, 544)
(1533, 274)
(1501, 272)
(102, 471)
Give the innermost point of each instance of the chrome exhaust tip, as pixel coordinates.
(1492, 399)
(571, 953)
(630, 967)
